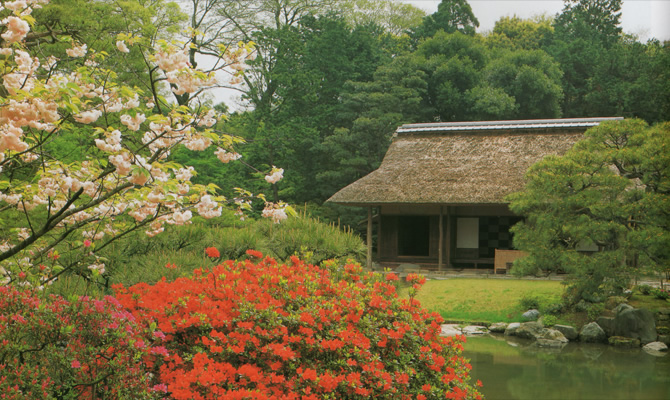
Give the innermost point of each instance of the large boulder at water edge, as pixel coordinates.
(512, 328)
(635, 323)
(570, 332)
(498, 327)
(607, 323)
(530, 330)
(553, 335)
(592, 333)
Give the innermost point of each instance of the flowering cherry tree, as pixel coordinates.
(64, 213)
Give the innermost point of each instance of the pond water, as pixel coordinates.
(516, 369)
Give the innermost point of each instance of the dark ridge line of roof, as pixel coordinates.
(499, 125)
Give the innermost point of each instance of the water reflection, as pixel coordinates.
(517, 369)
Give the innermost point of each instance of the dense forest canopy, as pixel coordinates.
(326, 94)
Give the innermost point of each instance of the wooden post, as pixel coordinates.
(448, 239)
(441, 242)
(379, 233)
(369, 258)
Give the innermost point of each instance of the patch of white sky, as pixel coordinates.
(644, 18)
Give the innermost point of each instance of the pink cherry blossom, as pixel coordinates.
(77, 51)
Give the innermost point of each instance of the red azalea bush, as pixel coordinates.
(246, 330)
(51, 348)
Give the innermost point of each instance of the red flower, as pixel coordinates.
(171, 266)
(254, 253)
(212, 252)
(392, 277)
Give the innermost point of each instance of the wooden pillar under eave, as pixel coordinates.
(449, 237)
(369, 239)
(441, 242)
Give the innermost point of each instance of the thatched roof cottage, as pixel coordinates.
(440, 190)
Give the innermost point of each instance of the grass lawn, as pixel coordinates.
(485, 300)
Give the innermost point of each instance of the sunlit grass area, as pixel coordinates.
(485, 300)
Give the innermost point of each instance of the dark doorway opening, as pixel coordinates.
(414, 236)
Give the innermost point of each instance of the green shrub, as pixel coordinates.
(549, 320)
(139, 258)
(660, 294)
(595, 310)
(53, 348)
(529, 302)
(553, 309)
(644, 289)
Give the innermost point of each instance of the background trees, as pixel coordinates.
(451, 16)
(610, 193)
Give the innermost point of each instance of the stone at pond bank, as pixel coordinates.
(664, 338)
(450, 330)
(620, 341)
(635, 323)
(553, 335)
(474, 330)
(570, 332)
(529, 330)
(592, 333)
(453, 330)
(512, 328)
(531, 315)
(607, 323)
(656, 349)
(498, 327)
(657, 346)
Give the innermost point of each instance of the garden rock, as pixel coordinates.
(570, 332)
(498, 327)
(553, 335)
(636, 323)
(512, 328)
(474, 330)
(450, 330)
(592, 333)
(620, 341)
(664, 338)
(657, 349)
(622, 307)
(656, 346)
(607, 323)
(530, 330)
(531, 315)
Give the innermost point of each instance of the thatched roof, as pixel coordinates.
(462, 163)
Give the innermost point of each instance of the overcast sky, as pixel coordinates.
(645, 18)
